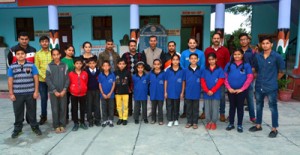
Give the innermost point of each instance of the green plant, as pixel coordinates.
(282, 83)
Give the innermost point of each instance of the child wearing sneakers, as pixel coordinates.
(174, 89)
(212, 78)
(106, 80)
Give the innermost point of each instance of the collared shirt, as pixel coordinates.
(93, 70)
(140, 83)
(174, 82)
(192, 82)
(42, 59)
(223, 55)
(267, 71)
(157, 85)
(106, 82)
(211, 78)
(249, 56)
(185, 55)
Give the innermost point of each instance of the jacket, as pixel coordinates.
(78, 83)
(105, 56)
(57, 77)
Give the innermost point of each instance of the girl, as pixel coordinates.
(212, 78)
(87, 48)
(57, 80)
(174, 89)
(78, 89)
(157, 78)
(238, 77)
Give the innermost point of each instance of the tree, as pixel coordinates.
(236, 34)
(245, 10)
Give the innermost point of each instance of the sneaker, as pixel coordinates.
(213, 126)
(43, 120)
(119, 122)
(230, 127)
(240, 128)
(253, 120)
(222, 118)
(254, 129)
(202, 116)
(136, 121)
(16, 134)
(176, 123)
(124, 122)
(37, 131)
(273, 134)
(83, 126)
(111, 124)
(146, 121)
(153, 122)
(183, 115)
(91, 124)
(75, 127)
(208, 126)
(104, 124)
(170, 124)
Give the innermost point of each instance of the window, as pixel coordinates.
(144, 20)
(25, 25)
(102, 27)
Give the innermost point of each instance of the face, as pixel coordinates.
(156, 65)
(237, 56)
(55, 56)
(266, 45)
(132, 47)
(87, 48)
(171, 47)
(140, 68)
(44, 44)
(175, 61)
(212, 61)
(192, 44)
(109, 46)
(105, 66)
(244, 41)
(23, 40)
(21, 56)
(121, 65)
(193, 60)
(153, 42)
(216, 40)
(78, 65)
(92, 64)
(70, 51)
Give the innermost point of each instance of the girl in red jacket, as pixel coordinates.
(78, 88)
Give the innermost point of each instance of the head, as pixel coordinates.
(69, 50)
(212, 59)
(105, 66)
(140, 66)
(157, 64)
(20, 54)
(109, 45)
(153, 42)
(121, 64)
(78, 63)
(92, 62)
(44, 42)
(216, 39)
(87, 47)
(172, 46)
(244, 39)
(132, 46)
(23, 39)
(175, 59)
(55, 54)
(193, 58)
(266, 43)
(238, 55)
(192, 43)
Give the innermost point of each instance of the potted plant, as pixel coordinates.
(284, 94)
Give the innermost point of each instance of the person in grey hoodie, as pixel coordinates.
(57, 80)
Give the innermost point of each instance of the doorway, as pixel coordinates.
(65, 31)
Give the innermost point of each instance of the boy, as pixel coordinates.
(140, 92)
(192, 91)
(106, 81)
(42, 59)
(23, 89)
(93, 98)
(122, 91)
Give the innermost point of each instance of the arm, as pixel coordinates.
(9, 58)
(67, 83)
(219, 83)
(112, 90)
(247, 82)
(99, 61)
(202, 61)
(162, 58)
(182, 91)
(37, 64)
(147, 67)
(10, 89)
(49, 80)
(182, 60)
(165, 88)
(204, 86)
(227, 84)
(36, 86)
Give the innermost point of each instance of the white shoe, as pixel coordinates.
(176, 123)
(170, 124)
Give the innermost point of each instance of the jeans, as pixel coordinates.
(43, 90)
(237, 104)
(250, 101)
(272, 96)
(222, 101)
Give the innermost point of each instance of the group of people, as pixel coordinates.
(115, 81)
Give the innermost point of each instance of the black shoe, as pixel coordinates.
(43, 120)
(111, 124)
(124, 122)
(83, 126)
(183, 115)
(136, 121)
(75, 127)
(97, 123)
(146, 121)
(240, 129)
(37, 131)
(91, 124)
(273, 134)
(254, 129)
(230, 127)
(16, 134)
(119, 122)
(103, 124)
(247, 109)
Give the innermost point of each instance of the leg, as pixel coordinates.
(43, 90)
(176, 109)
(130, 109)
(215, 107)
(232, 108)
(111, 106)
(62, 111)
(119, 106)
(169, 109)
(259, 106)
(55, 111)
(154, 109)
(82, 104)
(18, 106)
(68, 103)
(189, 111)
(272, 96)
(207, 110)
(240, 106)
(31, 110)
(144, 109)
(96, 103)
(137, 110)
(160, 111)
(74, 109)
(90, 100)
(195, 111)
(125, 103)
(104, 105)
(250, 102)
(222, 102)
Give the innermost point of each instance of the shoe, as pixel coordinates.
(136, 121)
(91, 124)
(83, 126)
(240, 129)
(246, 108)
(273, 134)
(153, 122)
(119, 122)
(111, 124)
(62, 129)
(75, 127)
(124, 122)
(188, 125)
(213, 126)
(183, 115)
(253, 120)
(161, 123)
(222, 118)
(146, 121)
(97, 123)
(195, 126)
(170, 124)
(254, 129)
(208, 126)
(57, 130)
(104, 124)
(43, 120)
(37, 131)
(16, 134)
(202, 116)
(176, 123)
(230, 127)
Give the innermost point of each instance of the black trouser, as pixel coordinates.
(93, 105)
(192, 111)
(58, 107)
(19, 105)
(82, 104)
(108, 109)
(173, 109)
(237, 103)
(130, 109)
(157, 105)
(137, 109)
(68, 103)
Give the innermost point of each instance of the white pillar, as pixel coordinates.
(219, 20)
(53, 26)
(284, 21)
(134, 22)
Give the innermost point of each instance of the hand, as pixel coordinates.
(238, 91)
(63, 93)
(182, 96)
(108, 95)
(104, 96)
(166, 95)
(210, 93)
(57, 94)
(35, 95)
(12, 97)
(231, 91)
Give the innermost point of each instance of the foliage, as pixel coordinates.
(245, 10)
(282, 83)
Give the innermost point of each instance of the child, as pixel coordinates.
(87, 47)
(68, 59)
(23, 87)
(78, 89)
(93, 98)
(157, 78)
(122, 91)
(238, 77)
(212, 79)
(106, 81)
(174, 89)
(192, 91)
(58, 82)
(140, 92)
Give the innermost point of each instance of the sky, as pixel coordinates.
(232, 22)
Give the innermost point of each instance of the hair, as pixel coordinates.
(131, 41)
(217, 33)
(105, 61)
(121, 60)
(157, 60)
(68, 46)
(153, 37)
(77, 59)
(175, 55)
(140, 63)
(24, 34)
(212, 55)
(267, 37)
(91, 59)
(55, 49)
(172, 42)
(232, 60)
(109, 40)
(193, 54)
(87, 42)
(44, 38)
(20, 49)
(192, 38)
(243, 34)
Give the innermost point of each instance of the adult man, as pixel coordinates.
(153, 52)
(171, 52)
(223, 57)
(268, 66)
(110, 55)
